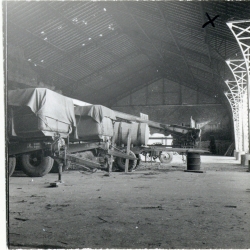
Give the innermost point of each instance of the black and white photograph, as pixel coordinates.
(126, 125)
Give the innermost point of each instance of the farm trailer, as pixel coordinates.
(41, 128)
(44, 126)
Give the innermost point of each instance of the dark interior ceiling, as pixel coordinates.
(99, 52)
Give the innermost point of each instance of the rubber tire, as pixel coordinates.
(40, 169)
(18, 163)
(121, 162)
(167, 157)
(12, 165)
(54, 168)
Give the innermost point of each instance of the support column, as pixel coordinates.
(232, 98)
(241, 32)
(238, 89)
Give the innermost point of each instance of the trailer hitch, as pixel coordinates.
(58, 146)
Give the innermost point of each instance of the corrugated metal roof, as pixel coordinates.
(105, 50)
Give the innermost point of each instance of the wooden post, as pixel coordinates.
(60, 172)
(128, 150)
(111, 156)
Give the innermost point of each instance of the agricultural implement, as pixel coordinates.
(46, 130)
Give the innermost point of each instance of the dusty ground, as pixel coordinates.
(157, 206)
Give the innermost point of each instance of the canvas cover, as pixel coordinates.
(97, 112)
(48, 111)
(94, 122)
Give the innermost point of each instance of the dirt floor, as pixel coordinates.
(157, 206)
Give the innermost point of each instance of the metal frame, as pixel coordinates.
(238, 68)
(234, 100)
(241, 32)
(235, 120)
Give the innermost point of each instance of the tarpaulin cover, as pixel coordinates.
(88, 129)
(97, 112)
(94, 122)
(44, 103)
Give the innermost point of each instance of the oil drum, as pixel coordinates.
(193, 161)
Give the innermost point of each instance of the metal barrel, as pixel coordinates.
(193, 161)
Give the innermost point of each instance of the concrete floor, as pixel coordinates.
(157, 206)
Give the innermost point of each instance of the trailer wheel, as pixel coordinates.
(12, 164)
(35, 164)
(121, 162)
(166, 157)
(54, 168)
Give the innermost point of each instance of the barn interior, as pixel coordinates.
(168, 82)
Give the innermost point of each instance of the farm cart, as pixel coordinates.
(43, 126)
(34, 118)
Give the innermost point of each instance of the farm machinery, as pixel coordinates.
(45, 130)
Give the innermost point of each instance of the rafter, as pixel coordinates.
(175, 41)
(161, 62)
(144, 32)
(174, 24)
(158, 63)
